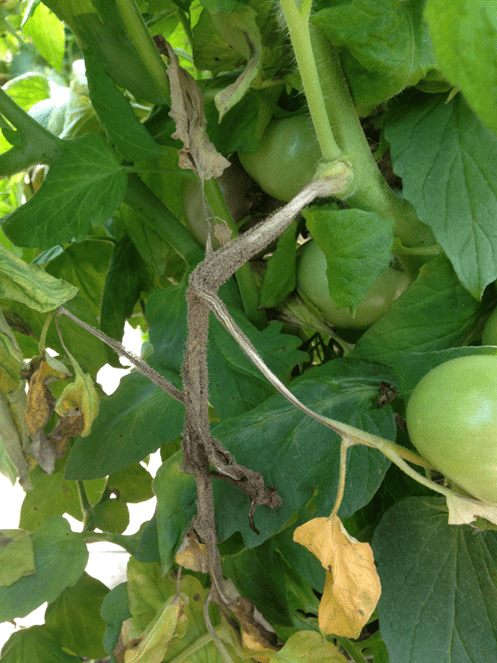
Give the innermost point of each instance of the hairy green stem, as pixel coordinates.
(39, 145)
(352, 650)
(372, 193)
(297, 21)
(147, 205)
(244, 276)
(142, 40)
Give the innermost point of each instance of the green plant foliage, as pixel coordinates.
(60, 558)
(448, 177)
(74, 617)
(281, 429)
(464, 39)
(83, 188)
(461, 558)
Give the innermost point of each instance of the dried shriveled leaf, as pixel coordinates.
(463, 511)
(352, 587)
(192, 554)
(13, 433)
(68, 426)
(187, 111)
(257, 634)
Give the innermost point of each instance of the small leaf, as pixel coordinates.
(279, 279)
(192, 554)
(80, 396)
(16, 556)
(352, 588)
(463, 510)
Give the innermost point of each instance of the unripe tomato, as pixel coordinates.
(313, 282)
(489, 336)
(452, 422)
(287, 158)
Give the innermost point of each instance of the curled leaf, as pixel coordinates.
(192, 554)
(257, 634)
(352, 588)
(187, 111)
(79, 397)
(463, 510)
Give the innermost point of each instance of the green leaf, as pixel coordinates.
(47, 34)
(439, 585)
(130, 137)
(85, 265)
(301, 646)
(387, 46)
(111, 516)
(133, 423)
(447, 158)
(280, 279)
(52, 496)
(210, 50)
(258, 575)
(436, 312)
(83, 188)
(114, 611)
(16, 556)
(99, 26)
(37, 645)
(176, 505)
(231, 372)
(126, 279)
(464, 36)
(74, 617)
(13, 433)
(31, 285)
(60, 559)
(147, 549)
(298, 455)
(28, 89)
(133, 483)
(357, 246)
(11, 359)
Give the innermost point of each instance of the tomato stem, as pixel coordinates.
(297, 21)
(142, 40)
(244, 276)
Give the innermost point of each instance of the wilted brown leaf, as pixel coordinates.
(352, 589)
(41, 403)
(257, 634)
(187, 111)
(68, 426)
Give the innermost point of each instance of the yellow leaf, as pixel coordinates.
(40, 402)
(257, 634)
(80, 396)
(192, 554)
(352, 589)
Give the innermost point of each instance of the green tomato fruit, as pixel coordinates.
(452, 422)
(287, 158)
(313, 283)
(489, 336)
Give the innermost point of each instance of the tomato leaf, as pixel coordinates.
(130, 137)
(424, 564)
(280, 279)
(37, 645)
(436, 312)
(387, 45)
(114, 611)
(296, 454)
(464, 40)
(60, 559)
(83, 188)
(78, 605)
(133, 422)
(47, 34)
(357, 246)
(446, 158)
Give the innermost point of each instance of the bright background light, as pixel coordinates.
(107, 562)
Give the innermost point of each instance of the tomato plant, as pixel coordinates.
(279, 432)
(489, 336)
(452, 421)
(313, 283)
